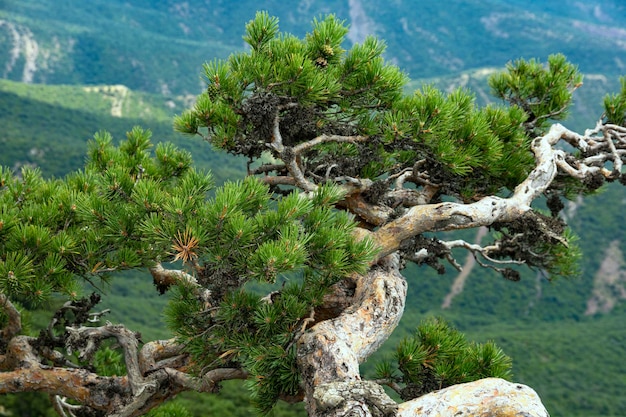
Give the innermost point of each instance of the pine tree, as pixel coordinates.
(290, 277)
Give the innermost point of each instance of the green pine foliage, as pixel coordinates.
(543, 92)
(88, 224)
(615, 105)
(562, 260)
(338, 87)
(319, 88)
(438, 356)
(299, 242)
(109, 362)
(131, 207)
(172, 409)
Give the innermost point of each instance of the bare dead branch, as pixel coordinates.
(480, 250)
(149, 380)
(401, 177)
(617, 128)
(156, 351)
(85, 387)
(209, 382)
(265, 168)
(64, 408)
(277, 139)
(165, 278)
(289, 157)
(278, 180)
(168, 277)
(615, 157)
(390, 383)
(296, 172)
(95, 317)
(582, 171)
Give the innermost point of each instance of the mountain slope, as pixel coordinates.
(49, 126)
(160, 46)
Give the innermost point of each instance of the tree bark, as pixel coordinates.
(330, 352)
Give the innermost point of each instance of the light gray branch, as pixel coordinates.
(168, 277)
(453, 216)
(298, 149)
(86, 341)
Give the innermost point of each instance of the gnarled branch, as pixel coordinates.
(454, 216)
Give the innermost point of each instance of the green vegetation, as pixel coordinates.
(488, 308)
(589, 383)
(438, 356)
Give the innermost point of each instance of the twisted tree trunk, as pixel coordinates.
(330, 353)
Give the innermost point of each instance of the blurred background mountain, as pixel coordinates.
(69, 68)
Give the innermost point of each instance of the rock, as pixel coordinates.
(490, 397)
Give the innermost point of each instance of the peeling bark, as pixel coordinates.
(459, 281)
(330, 352)
(23, 372)
(155, 374)
(87, 388)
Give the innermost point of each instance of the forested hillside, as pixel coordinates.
(71, 68)
(160, 46)
(48, 125)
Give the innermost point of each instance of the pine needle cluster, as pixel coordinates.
(89, 224)
(438, 356)
(315, 87)
(543, 92)
(298, 242)
(615, 106)
(311, 81)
